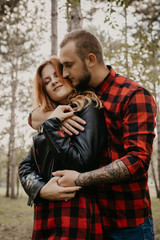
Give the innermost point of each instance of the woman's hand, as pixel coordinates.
(62, 112)
(53, 192)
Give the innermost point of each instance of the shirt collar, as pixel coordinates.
(106, 82)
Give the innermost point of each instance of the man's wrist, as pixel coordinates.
(77, 181)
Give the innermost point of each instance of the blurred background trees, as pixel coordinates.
(30, 31)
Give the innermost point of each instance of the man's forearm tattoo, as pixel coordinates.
(110, 174)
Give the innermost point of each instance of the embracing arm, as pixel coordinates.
(29, 176)
(112, 173)
(36, 188)
(37, 116)
(79, 152)
(138, 135)
(73, 124)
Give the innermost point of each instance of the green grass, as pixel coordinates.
(16, 218)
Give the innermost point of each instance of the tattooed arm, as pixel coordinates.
(110, 174)
(113, 173)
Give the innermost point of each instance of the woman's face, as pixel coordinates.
(58, 91)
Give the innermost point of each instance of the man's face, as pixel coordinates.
(73, 68)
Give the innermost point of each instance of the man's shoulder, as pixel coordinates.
(124, 82)
(118, 81)
(121, 88)
(126, 87)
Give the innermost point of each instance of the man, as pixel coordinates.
(130, 111)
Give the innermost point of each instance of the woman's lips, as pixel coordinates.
(56, 88)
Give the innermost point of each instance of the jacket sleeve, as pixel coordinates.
(30, 178)
(80, 152)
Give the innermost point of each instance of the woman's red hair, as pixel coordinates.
(41, 97)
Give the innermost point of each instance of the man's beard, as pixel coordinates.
(84, 80)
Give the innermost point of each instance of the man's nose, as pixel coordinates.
(65, 72)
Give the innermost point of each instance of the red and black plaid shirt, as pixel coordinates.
(130, 119)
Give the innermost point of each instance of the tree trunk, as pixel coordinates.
(157, 97)
(74, 15)
(8, 176)
(126, 42)
(17, 185)
(158, 147)
(154, 179)
(54, 16)
(12, 132)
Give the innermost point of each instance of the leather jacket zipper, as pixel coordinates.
(52, 143)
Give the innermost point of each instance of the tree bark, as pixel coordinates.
(126, 42)
(155, 180)
(12, 133)
(8, 176)
(54, 17)
(17, 185)
(74, 15)
(158, 147)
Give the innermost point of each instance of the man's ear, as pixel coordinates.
(91, 60)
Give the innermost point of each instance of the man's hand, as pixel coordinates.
(66, 178)
(53, 192)
(72, 125)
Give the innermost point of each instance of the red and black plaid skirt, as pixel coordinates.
(77, 219)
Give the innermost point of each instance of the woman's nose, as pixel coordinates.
(54, 80)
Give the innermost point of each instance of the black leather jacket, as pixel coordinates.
(52, 150)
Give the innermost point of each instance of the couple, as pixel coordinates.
(111, 202)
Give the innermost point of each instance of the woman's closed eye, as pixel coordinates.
(47, 80)
(55, 74)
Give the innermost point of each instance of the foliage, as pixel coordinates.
(18, 43)
(19, 51)
(146, 56)
(7, 4)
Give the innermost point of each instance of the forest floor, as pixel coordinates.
(16, 218)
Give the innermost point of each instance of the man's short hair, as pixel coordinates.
(85, 43)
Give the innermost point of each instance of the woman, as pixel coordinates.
(77, 218)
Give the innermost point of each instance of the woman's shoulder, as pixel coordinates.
(39, 137)
(91, 112)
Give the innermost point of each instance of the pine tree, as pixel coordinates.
(54, 19)
(73, 15)
(20, 37)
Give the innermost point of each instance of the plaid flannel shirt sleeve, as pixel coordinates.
(138, 131)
